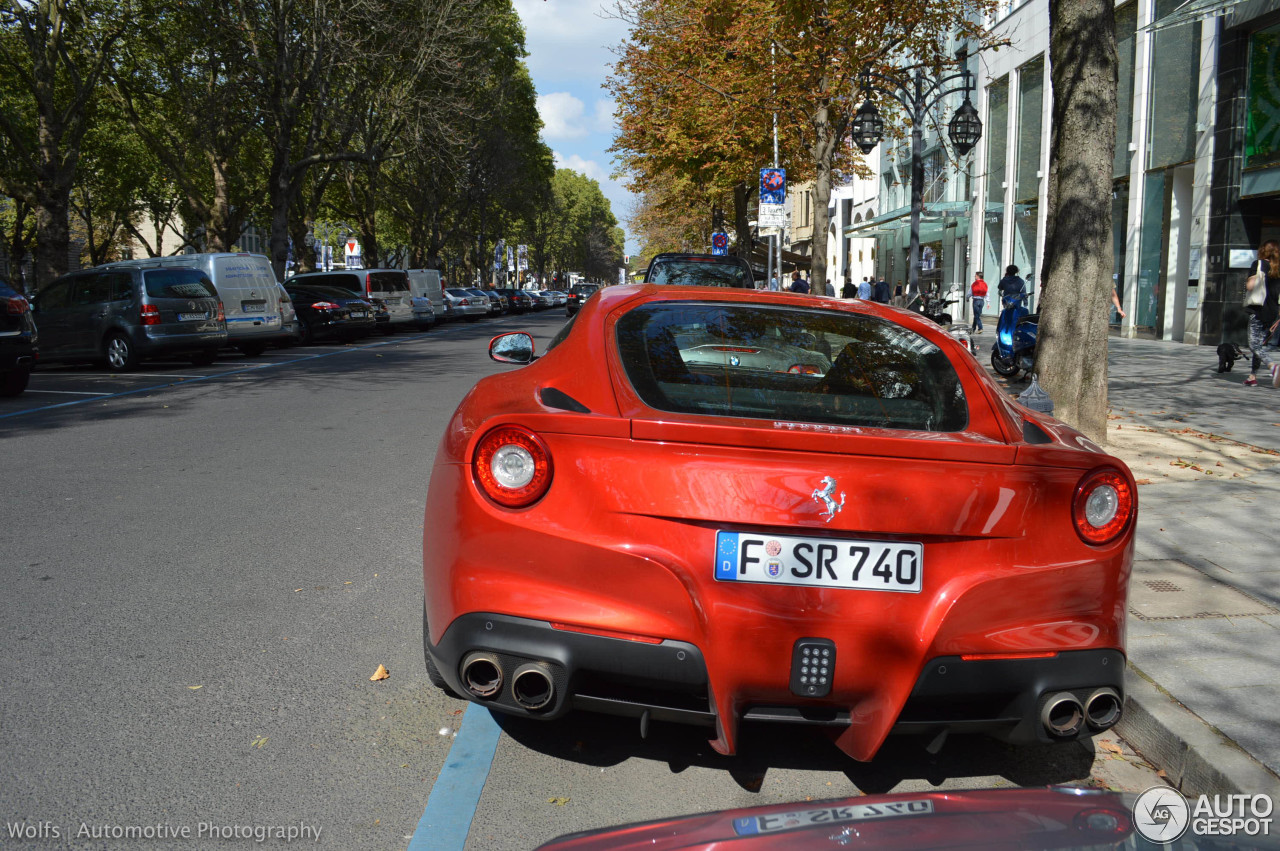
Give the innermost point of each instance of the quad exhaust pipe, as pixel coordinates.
(1103, 709)
(482, 674)
(532, 687)
(1062, 715)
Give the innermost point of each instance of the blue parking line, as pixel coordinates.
(454, 796)
(201, 378)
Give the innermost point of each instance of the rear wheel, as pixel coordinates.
(205, 357)
(15, 381)
(252, 350)
(305, 335)
(433, 673)
(1005, 366)
(120, 353)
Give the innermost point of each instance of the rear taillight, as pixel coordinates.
(464, 302)
(222, 314)
(512, 466)
(150, 314)
(16, 306)
(804, 369)
(1103, 506)
(368, 284)
(325, 305)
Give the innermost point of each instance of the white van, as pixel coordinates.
(425, 284)
(251, 296)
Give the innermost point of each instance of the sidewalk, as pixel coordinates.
(1204, 600)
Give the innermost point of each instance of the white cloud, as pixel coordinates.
(569, 40)
(561, 115)
(590, 168)
(604, 121)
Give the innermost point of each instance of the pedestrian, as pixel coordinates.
(1263, 317)
(1115, 301)
(1011, 285)
(880, 292)
(798, 284)
(848, 290)
(978, 290)
(831, 290)
(773, 283)
(864, 289)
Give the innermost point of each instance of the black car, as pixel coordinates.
(124, 314)
(519, 300)
(17, 341)
(700, 270)
(331, 312)
(578, 293)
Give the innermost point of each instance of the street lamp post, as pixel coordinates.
(917, 95)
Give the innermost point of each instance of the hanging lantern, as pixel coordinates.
(965, 128)
(867, 127)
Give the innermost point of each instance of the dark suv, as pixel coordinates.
(700, 270)
(17, 341)
(122, 315)
(578, 293)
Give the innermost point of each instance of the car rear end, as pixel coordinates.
(333, 312)
(250, 297)
(391, 287)
(836, 520)
(178, 312)
(468, 305)
(577, 295)
(17, 340)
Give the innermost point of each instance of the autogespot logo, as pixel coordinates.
(1161, 814)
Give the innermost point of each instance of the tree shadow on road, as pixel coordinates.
(599, 740)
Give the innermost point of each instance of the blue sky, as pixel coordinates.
(569, 44)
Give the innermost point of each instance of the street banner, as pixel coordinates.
(511, 258)
(522, 257)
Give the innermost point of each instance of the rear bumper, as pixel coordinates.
(17, 351)
(151, 342)
(265, 328)
(668, 681)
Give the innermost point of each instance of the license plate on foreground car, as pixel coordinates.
(192, 317)
(824, 562)
(754, 825)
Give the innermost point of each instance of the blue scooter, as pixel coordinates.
(1015, 347)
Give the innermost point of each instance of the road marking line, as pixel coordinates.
(193, 379)
(451, 806)
(67, 392)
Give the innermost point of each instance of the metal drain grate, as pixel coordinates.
(1177, 591)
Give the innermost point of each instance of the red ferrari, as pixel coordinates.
(709, 505)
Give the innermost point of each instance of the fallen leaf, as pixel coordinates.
(1110, 747)
(1142, 482)
(346, 583)
(1161, 773)
(404, 765)
(193, 688)
(296, 590)
(381, 674)
(259, 742)
(559, 802)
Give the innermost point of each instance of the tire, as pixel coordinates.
(252, 350)
(12, 383)
(305, 335)
(120, 354)
(204, 358)
(1005, 366)
(433, 673)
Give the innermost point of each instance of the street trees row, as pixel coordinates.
(414, 123)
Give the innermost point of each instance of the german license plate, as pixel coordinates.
(192, 317)
(357, 314)
(836, 814)
(821, 562)
(253, 306)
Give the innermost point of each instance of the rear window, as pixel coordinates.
(320, 292)
(584, 289)
(348, 282)
(177, 283)
(388, 282)
(789, 365)
(700, 273)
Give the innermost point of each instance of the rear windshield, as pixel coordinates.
(459, 293)
(178, 283)
(700, 273)
(789, 365)
(320, 292)
(584, 289)
(388, 282)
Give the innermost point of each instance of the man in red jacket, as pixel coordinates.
(979, 292)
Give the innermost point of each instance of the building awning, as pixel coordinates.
(894, 220)
(1200, 10)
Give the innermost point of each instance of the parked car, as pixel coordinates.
(560, 296)
(17, 340)
(330, 312)
(247, 287)
(700, 270)
(504, 303)
(390, 286)
(125, 313)
(903, 547)
(466, 305)
(493, 301)
(425, 284)
(288, 316)
(542, 300)
(519, 300)
(578, 293)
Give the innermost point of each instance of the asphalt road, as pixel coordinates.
(201, 575)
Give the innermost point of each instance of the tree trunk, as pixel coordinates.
(304, 256)
(741, 197)
(821, 221)
(53, 232)
(1071, 354)
(221, 230)
(281, 192)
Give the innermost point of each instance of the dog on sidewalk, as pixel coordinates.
(1228, 354)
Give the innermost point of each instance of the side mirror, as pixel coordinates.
(516, 347)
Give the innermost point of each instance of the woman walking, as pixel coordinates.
(978, 290)
(1263, 318)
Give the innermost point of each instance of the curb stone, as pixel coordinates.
(1196, 759)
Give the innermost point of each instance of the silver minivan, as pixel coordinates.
(248, 289)
(389, 286)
